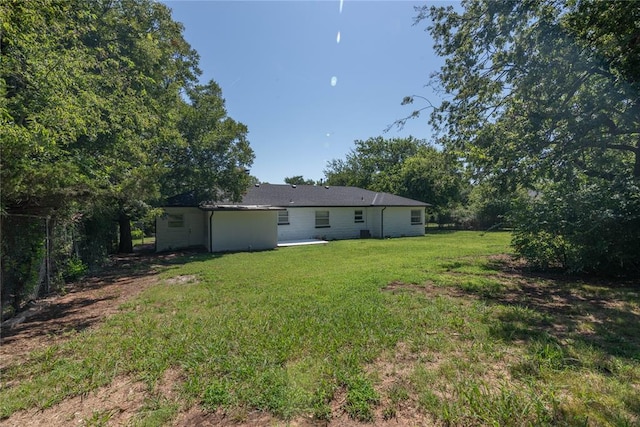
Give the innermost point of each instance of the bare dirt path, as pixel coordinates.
(81, 305)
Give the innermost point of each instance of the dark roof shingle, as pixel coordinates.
(321, 196)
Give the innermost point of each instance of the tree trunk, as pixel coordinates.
(126, 243)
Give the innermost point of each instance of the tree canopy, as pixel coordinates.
(101, 116)
(539, 89)
(372, 162)
(544, 94)
(408, 167)
(298, 180)
(86, 90)
(91, 106)
(212, 154)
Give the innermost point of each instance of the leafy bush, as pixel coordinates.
(74, 269)
(486, 205)
(585, 227)
(136, 233)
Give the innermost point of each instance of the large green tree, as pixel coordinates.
(91, 103)
(543, 94)
(536, 88)
(433, 176)
(143, 63)
(372, 163)
(47, 103)
(212, 155)
(405, 166)
(88, 90)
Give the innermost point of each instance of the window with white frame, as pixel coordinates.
(322, 219)
(358, 216)
(283, 217)
(416, 217)
(175, 220)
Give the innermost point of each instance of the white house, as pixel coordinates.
(328, 212)
(269, 214)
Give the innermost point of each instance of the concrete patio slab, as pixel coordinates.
(286, 243)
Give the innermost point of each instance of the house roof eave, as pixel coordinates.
(254, 208)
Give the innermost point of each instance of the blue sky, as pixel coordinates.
(305, 93)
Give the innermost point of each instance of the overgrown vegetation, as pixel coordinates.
(101, 117)
(368, 327)
(591, 227)
(544, 96)
(22, 272)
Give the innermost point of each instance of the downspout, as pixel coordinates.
(425, 220)
(211, 232)
(382, 222)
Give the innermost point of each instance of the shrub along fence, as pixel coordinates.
(26, 259)
(40, 253)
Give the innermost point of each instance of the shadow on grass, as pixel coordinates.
(430, 230)
(595, 312)
(147, 262)
(84, 303)
(57, 318)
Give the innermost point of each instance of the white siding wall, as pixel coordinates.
(244, 230)
(192, 233)
(302, 224)
(397, 222)
(374, 219)
(241, 230)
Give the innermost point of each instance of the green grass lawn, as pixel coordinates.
(434, 323)
(144, 241)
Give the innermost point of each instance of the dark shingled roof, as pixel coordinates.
(321, 196)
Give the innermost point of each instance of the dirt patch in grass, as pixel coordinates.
(169, 385)
(189, 279)
(83, 304)
(115, 404)
(428, 289)
(405, 417)
(398, 406)
(196, 416)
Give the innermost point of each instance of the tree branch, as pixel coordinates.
(622, 147)
(416, 113)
